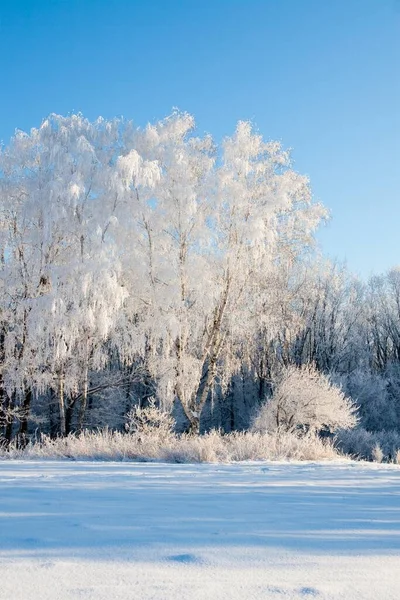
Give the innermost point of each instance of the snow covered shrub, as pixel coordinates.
(149, 420)
(305, 399)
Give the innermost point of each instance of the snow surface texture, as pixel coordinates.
(126, 531)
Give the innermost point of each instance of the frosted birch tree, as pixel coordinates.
(213, 224)
(57, 202)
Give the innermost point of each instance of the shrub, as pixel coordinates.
(149, 420)
(305, 399)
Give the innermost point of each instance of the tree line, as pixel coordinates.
(153, 264)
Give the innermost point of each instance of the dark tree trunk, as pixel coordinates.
(8, 426)
(26, 408)
(69, 413)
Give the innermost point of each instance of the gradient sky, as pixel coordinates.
(322, 76)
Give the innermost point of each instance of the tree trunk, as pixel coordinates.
(84, 398)
(8, 426)
(61, 404)
(194, 427)
(69, 411)
(26, 407)
(3, 394)
(53, 421)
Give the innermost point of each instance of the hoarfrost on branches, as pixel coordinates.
(160, 262)
(306, 399)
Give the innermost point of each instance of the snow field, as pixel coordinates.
(107, 531)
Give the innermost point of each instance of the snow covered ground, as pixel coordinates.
(246, 531)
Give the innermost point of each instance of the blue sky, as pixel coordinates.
(322, 76)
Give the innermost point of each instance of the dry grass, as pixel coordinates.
(212, 447)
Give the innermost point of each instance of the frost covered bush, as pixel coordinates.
(305, 399)
(149, 420)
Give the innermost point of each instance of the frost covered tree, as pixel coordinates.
(331, 306)
(384, 318)
(57, 202)
(210, 224)
(305, 399)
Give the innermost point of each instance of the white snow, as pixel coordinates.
(126, 531)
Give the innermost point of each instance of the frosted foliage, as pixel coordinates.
(63, 282)
(149, 420)
(197, 236)
(377, 407)
(305, 398)
(150, 245)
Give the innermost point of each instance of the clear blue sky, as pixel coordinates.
(322, 76)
